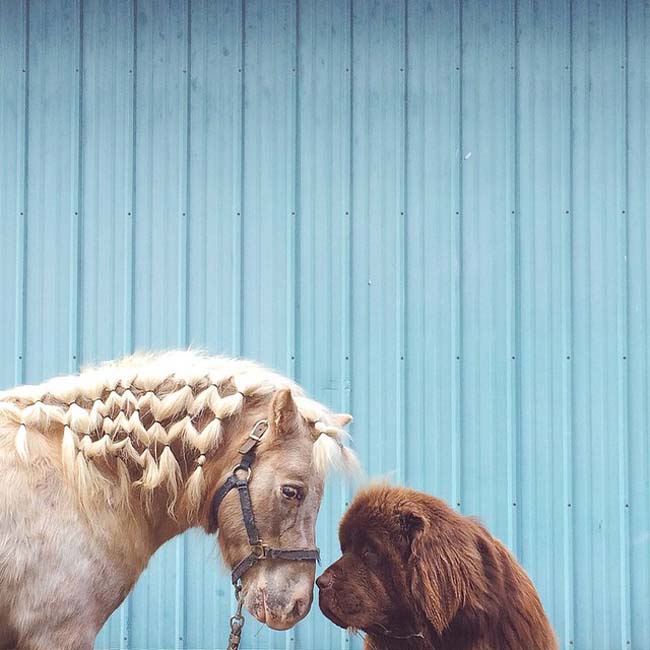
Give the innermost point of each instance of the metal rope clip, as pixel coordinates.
(236, 621)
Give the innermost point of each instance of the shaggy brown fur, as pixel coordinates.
(415, 574)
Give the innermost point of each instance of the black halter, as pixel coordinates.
(259, 550)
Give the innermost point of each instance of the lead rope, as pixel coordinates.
(236, 621)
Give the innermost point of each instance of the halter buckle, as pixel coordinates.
(259, 429)
(254, 437)
(259, 551)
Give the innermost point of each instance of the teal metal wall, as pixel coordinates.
(432, 214)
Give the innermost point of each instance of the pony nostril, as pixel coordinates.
(325, 581)
(299, 608)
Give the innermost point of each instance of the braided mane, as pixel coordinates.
(137, 417)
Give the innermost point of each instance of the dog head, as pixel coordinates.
(400, 564)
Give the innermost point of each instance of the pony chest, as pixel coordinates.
(49, 552)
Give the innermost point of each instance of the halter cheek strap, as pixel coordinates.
(259, 550)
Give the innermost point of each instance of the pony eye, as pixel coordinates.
(291, 492)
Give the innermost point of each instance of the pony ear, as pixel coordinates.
(435, 569)
(342, 419)
(284, 412)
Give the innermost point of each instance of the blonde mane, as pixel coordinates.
(145, 411)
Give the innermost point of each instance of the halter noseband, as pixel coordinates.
(259, 550)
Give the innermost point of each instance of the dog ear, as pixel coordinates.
(438, 581)
(410, 524)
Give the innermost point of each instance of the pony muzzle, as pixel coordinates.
(280, 609)
(280, 594)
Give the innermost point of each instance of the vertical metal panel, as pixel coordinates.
(215, 179)
(638, 353)
(488, 38)
(52, 188)
(432, 269)
(433, 214)
(160, 171)
(13, 144)
(598, 218)
(544, 132)
(269, 208)
(107, 173)
(378, 137)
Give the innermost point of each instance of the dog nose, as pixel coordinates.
(325, 581)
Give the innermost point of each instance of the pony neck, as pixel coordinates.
(166, 523)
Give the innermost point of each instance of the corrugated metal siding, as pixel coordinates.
(432, 214)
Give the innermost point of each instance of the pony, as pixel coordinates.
(99, 469)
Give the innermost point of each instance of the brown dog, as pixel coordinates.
(416, 574)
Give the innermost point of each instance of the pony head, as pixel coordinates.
(285, 484)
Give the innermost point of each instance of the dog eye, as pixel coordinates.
(370, 557)
(291, 492)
